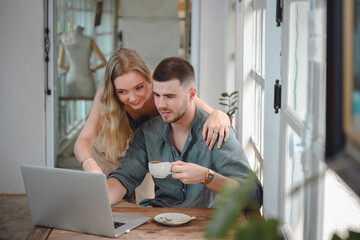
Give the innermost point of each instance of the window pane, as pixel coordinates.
(72, 110)
(298, 58)
(294, 176)
(259, 36)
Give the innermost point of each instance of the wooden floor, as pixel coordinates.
(15, 221)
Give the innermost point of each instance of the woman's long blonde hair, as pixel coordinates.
(115, 131)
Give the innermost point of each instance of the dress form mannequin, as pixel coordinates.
(80, 83)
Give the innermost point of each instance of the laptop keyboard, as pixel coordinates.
(118, 224)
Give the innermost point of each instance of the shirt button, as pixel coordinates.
(183, 189)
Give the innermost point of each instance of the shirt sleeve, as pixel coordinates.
(133, 167)
(231, 161)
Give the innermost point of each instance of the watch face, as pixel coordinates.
(210, 176)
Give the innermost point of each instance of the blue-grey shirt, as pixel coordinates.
(152, 142)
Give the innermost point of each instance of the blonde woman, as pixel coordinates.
(122, 104)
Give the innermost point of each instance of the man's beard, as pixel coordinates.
(178, 116)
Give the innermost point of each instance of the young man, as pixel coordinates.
(176, 136)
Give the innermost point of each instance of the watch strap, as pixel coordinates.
(208, 177)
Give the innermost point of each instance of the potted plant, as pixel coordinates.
(229, 101)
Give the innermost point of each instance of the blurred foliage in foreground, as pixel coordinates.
(226, 223)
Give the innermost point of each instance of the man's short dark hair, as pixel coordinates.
(175, 68)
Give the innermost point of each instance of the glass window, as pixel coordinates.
(294, 176)
(298, 57)
(82, 23)
(76, 84)
(257, 74)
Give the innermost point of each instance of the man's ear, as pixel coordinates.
(192, 93)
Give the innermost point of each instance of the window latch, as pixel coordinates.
(47, 45)
(279, 12)
(277, 96)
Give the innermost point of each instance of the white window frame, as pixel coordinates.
(250, 79)
(275, 130)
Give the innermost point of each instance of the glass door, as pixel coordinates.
(84, 40)
(302, 138)
(294, 110)
(293, 163)
(84, 34)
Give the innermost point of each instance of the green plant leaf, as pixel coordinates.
(229, 207)
(224, 104)
(234, 93)
(258, 229)
(225, 94)
(223, 99)
(233, 103)
(335, 237)
(232, 111)
(235, 198)
(354, 235)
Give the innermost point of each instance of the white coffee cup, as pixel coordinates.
(159, 169)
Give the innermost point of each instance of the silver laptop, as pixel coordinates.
(74, 200)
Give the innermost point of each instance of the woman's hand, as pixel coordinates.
(216, 127)
(188, 173)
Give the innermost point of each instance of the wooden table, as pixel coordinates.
(153, 230)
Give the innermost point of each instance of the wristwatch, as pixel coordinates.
(208, 177)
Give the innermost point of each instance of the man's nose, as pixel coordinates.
(162, 102)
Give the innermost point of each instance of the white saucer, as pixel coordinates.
(173, 219)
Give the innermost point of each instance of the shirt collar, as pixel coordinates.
(167, 131)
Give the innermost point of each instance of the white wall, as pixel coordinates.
(217, 44)
(22, 134)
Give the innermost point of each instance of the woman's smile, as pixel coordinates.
(135, 103)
